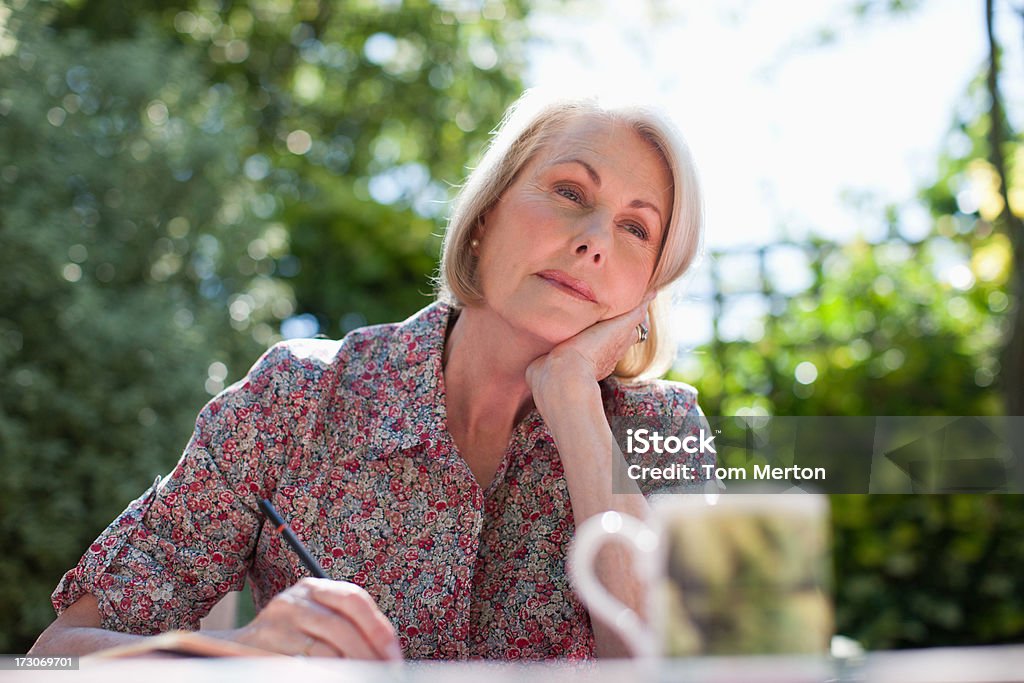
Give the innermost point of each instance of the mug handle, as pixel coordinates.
(592, 535)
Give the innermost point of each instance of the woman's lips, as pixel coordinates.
(568, 284)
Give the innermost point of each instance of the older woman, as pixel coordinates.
(437, 467)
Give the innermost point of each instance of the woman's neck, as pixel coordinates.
(485, 371)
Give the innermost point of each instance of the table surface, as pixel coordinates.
(940, 665)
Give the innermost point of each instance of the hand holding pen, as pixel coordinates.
(318, 616)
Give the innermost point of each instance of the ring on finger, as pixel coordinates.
(641, 333)
(310, 642)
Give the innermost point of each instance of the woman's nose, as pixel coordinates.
(594, 240)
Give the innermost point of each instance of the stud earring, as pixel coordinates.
(474, 243)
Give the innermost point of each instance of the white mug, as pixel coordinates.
(725, 574)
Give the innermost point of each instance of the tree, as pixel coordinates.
(1001, 142)
(115, 215)
(361, 119)
(879, 333)
(174, 182)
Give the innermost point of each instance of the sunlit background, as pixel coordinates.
(793, 112)
(805, 120)
(182, 184)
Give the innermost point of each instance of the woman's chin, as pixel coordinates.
(550, 326)
(557, 332)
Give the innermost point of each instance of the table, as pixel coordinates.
(998, 664)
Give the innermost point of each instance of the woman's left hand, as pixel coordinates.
(587, 357)
(565, 389)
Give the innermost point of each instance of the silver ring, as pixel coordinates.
(641, 333)
(310, 642)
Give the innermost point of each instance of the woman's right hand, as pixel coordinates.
(322, 618)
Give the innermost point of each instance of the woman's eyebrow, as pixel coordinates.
(590, 169)
(641, 204)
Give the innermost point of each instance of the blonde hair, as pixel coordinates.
(526, 127)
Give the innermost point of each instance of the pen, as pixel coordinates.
(282, 528)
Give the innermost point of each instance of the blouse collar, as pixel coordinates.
(418, 414)
(413, 361)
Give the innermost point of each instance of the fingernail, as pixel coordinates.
(394, 652)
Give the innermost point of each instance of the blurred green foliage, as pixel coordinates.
(903, 327)
(107, 221)
(360, 117)
(887, 336)
(929, 570)
(176, 180)
(884, 333)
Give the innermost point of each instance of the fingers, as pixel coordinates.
(637, 314)
(321, 617)
(334, 635)
(644, 306)
(627, 323)
(370, 633)
(625, 331)
(608, 341)
(594, 352)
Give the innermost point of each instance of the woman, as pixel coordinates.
(436, 468)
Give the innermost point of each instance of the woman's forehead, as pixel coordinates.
(585, 133)
(602, 139)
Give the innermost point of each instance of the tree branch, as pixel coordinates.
(1013, 351)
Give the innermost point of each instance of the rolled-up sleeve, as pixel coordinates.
(668, 410)
(170, 556)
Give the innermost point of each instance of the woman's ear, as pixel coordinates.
(476, 235)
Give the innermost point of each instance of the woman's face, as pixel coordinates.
(574, 240)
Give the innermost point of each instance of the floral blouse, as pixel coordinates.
(349, 440)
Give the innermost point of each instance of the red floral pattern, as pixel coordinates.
(349, 440)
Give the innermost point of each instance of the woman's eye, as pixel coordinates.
(569, 193)
(637, 230)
